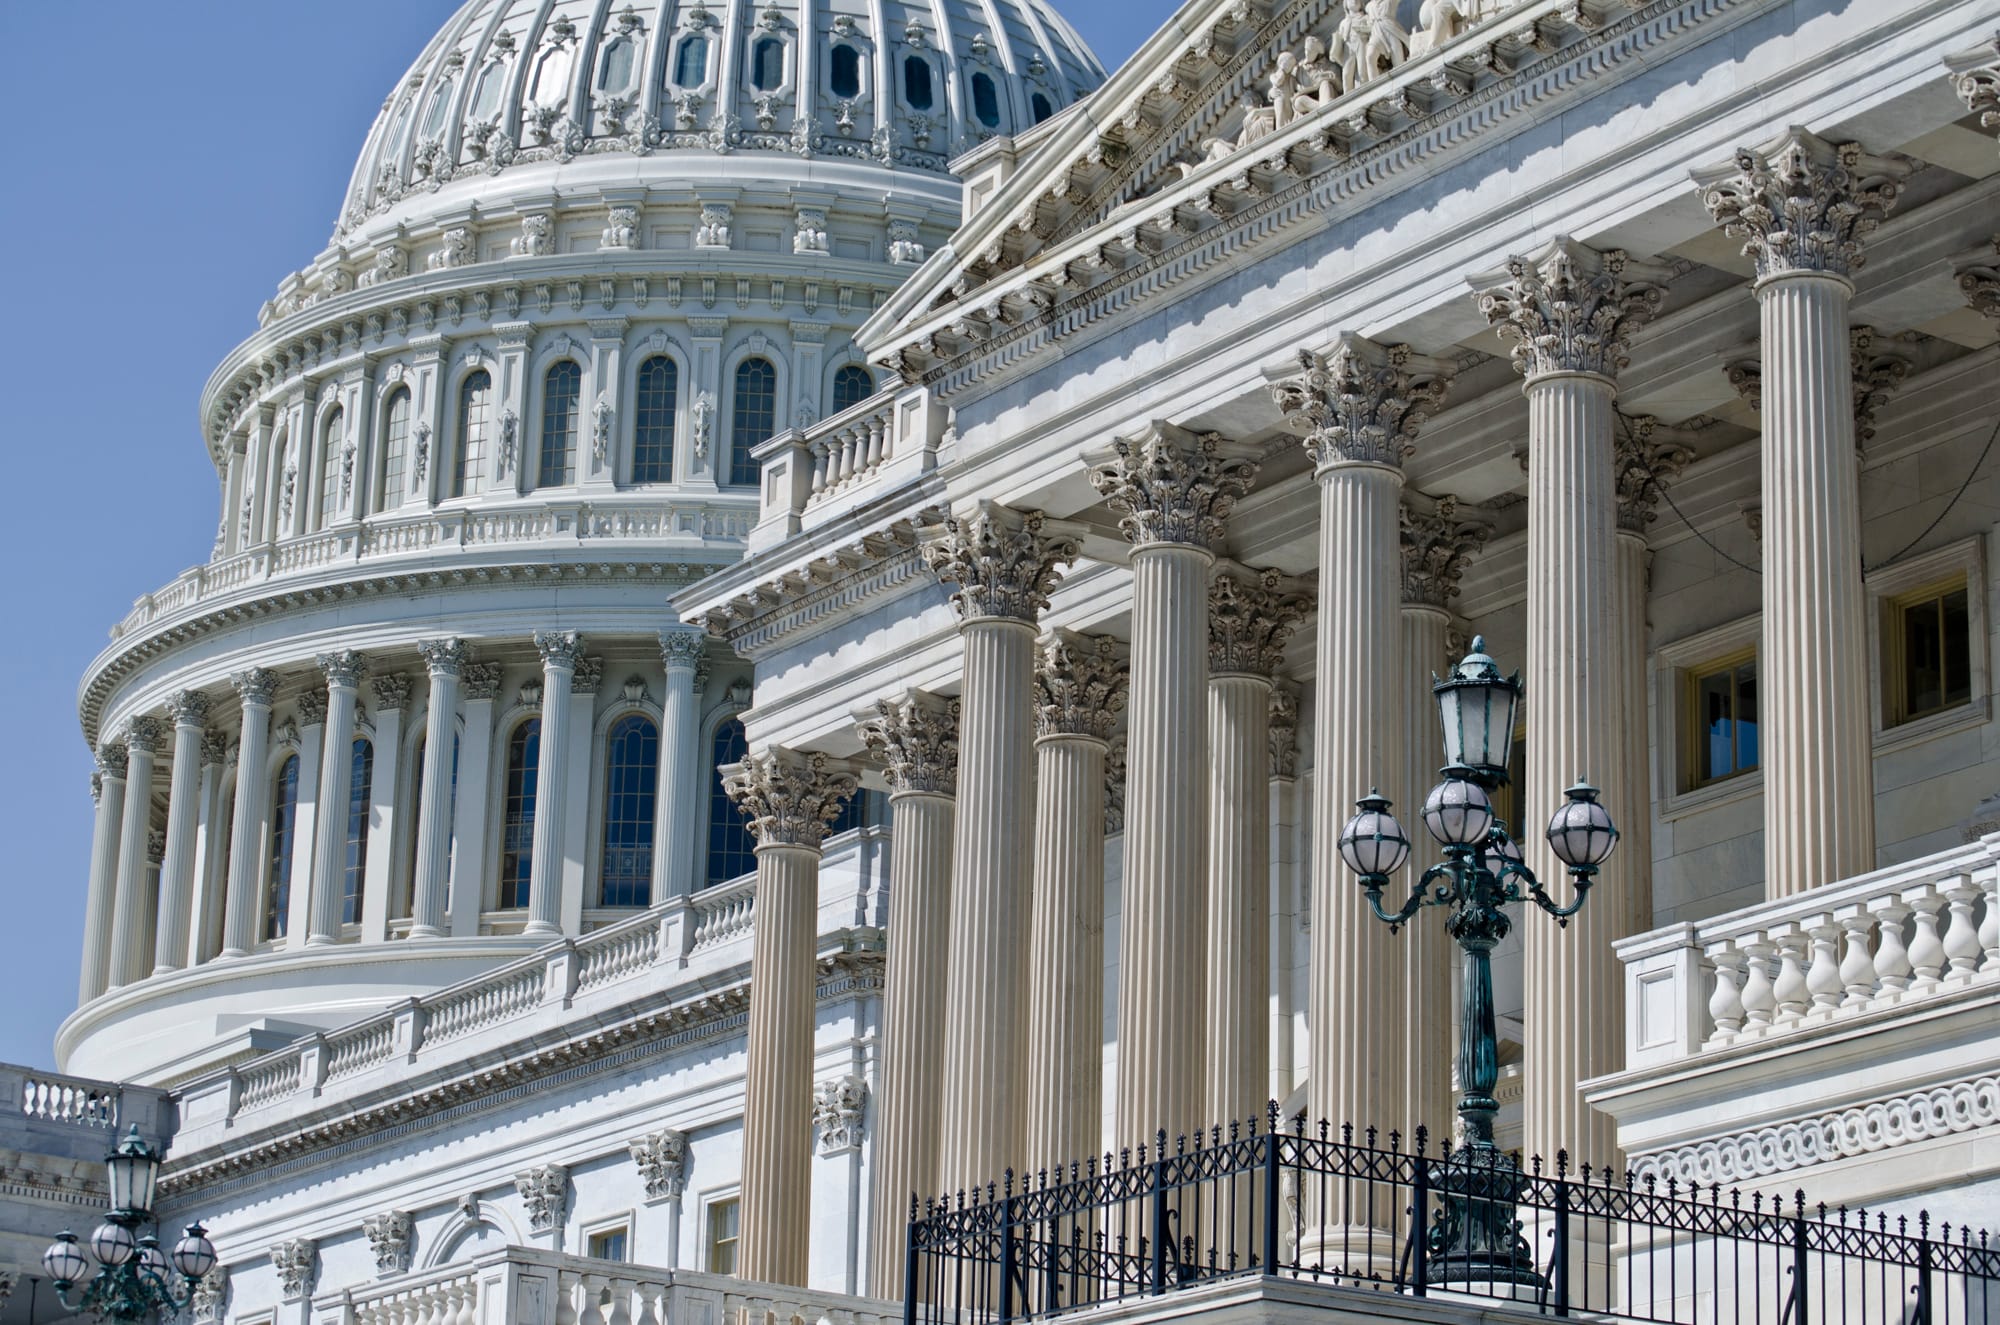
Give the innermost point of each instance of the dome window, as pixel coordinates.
(754, 419)
(1041, 107)
(562, 392)
(845, 73)
(486, 97)
(614, 71)
(653, 420)
(767, 64)
(851, 385)
(396, 451)
(917, 82)
(440, 103)
(985, 101)
(691, 61)
(551, 78)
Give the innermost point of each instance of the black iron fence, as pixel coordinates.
(1339, 1208)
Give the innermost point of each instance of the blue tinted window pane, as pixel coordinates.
(360, 780)
(562, 388)
(732, 851)
(631, 785)
(278, 869)
(754, 418)
(653, 420)
(517, 827)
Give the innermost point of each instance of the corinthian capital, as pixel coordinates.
(1004, 562)
(1570, 309)
(1802, 204)
(1878, 368)
(561, 649)
(342, 668)
(1251, 615)
(256, 686)
(1361, 401)
(1645, 462)
(1079, 684)
(1979, 276)
(187, 707)
(1284, 731)
(915, 735)
(392, 691)
(686, 648)
(312, 708)
(111, 757)
(1437, 543)
(791, 796)
(482, 680)
(444, 657)
(1975, 76)
(1173, 486)
(143, 735)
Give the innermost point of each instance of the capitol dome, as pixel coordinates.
(591, 259)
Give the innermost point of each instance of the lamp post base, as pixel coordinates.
(1477, 1240)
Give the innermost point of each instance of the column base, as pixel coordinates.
(425, 932)
(320, 941)
(542, 927)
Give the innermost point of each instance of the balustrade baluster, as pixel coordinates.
(1823, 970)
(621, 1297)
(1725, 1005)
(568, 1285)
(874, 427)
(649, 1296)
(1760, 1003)
(846, 454)
(1989, 928)
(1892, 952)
(819, 468)
(590, 1312)
(1961, 939)
(1790, 986)
(1857, 965)
(1927, 955)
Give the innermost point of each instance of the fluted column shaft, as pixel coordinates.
(986, 998)
(100, 904)
(1819, 784)
(1065, 1101)
(1239, 892)
(682, 788)
(916, 736)
(1632, 808)
(790, 799)
(560, 652)
(1575, 984)
(445, 660)
(241, 914)
(177, 883)
(1428, 951)
(336, 760)
(131, 937)
(1357, 965)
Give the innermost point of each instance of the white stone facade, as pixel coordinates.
(1654, 342)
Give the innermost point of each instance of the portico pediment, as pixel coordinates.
(1239, 125)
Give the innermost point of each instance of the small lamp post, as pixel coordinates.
(135, 1279)
(1478, 1238)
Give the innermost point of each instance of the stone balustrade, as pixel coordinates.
(530, 1287)
(849, 447)
(403, 533)
(59, 1114)
(1888, 939)
(814, 475)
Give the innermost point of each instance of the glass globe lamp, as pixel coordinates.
(1580, 831)
(113, 1244)
(194, 1254)
(1373, 844)
(1458, 811)
(64, 1260)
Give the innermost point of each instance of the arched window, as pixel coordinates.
(917, 82)
(631, 786)
(985, 101)
(562, 388)
(1041, 107)
(851, 385)
(658, 399)
(754, 418)
(360, 780)
(395, 450)
(731, 848)
(844, 72)
(329, 466)
(517, 828)
(440, 104)
(614, 69)
(767, 63)
(475, 394)
(278, 867)
(691, 61)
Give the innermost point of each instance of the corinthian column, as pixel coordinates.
(131, 937)
(1439, 538)
(1251, 616)
(445, 660)
(1003, 564)
(187, 708)
(107, 789)
(1801, 206)
(561, 650)
(241, 913)
(1173, 491)
(336, 770)
(1645, 462)
(915, 735)
(790, 799)
(1079, 689)
(1359, 408)
(682, 789)
(1570, 311)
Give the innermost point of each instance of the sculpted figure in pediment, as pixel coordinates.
(1440, 21)
(1369, 42)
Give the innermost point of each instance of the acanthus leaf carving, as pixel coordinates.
(1002, 562)
(1569, 308)
(388, 1237)
(790, 797)
(1251, 617)
(1173, 486)
(1081, 684)
(296, 1264)
(1802, 204)
(544, 1189)
(915, 735)
(1361, 401)
(838, 1107)
(661, 1158)
(1437, 544)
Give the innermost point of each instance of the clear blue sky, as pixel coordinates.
(174, 160)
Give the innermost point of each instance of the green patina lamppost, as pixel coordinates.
(1478, 1237)
(135, 1279)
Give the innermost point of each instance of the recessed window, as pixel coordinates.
(754, 418)
(360, 784)
(517, 827)
(767, 63)
(278, 869)
(985, 101)
(475, 395)
(917, 82)
(440, 103)
(691, 61)
(551, 86)
(614, 70)
(631, 789)
(732, 851)
(1041, 107)
(486, 97)
(562, 388)
(844, 73)
(329, 467)
(1722, 719)
(653, 420)
(851, 385)
(395, 450)
(608, 1244)
(723, 1222)
(1929, 639)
